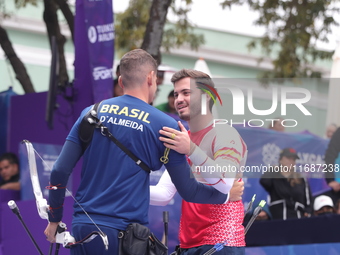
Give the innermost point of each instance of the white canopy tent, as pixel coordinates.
(202, 66)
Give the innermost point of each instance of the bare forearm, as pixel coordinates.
(11, 186)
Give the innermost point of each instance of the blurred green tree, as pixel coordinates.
(53, 29)
(292, 29)
(144, 25)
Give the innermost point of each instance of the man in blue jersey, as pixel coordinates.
(114, 191)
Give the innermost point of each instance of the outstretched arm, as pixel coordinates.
(227, 156)
(162, 193)
(191, 190)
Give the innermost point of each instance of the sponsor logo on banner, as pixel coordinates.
(102, 73)
(101, 33)
(92, 34)
(270, 154)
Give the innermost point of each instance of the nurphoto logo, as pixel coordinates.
(280, 98)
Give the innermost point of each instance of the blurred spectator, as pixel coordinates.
(331, 128)
(9, 171)
(290, 195)
(117, 90)
(263, 215)
(168, 107)
(160, 76)
(160, 79)
(323, 205)
(277, 125)
(337, 207)
(115, 81)
(332, 160)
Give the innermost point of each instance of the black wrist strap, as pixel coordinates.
(105, 132)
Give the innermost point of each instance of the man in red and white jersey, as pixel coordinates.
(215, 152)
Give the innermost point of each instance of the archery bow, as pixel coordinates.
(62, 236)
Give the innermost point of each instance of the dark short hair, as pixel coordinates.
(11, 157)
(289, 152)
(200, 78)
(171, 93)
(135, 65)
(160, 74)
(189, 73)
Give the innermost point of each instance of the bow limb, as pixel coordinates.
(40, 200)
(62, 236)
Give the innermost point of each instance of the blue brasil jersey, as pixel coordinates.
(112, 184)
